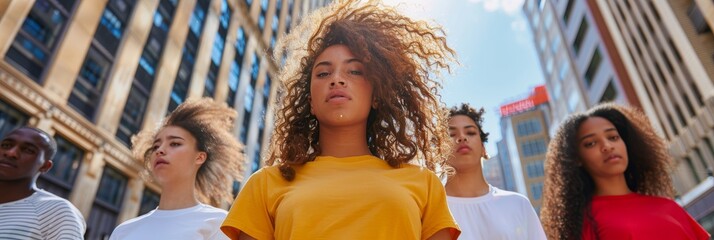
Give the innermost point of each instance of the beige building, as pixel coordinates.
(667, 50)
(94, 72)
(524, 143)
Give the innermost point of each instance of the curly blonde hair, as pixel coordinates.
(403, 60)
(569, 188)
(210, 123)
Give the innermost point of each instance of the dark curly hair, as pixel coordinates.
(475, 115)
(402, 58)
(569, 188)
(211, 123)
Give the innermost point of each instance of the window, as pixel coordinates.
(263, 11)
(580, 37)
(133, 113)
(188, 57)
(10, 118)
(564, 68)
(528, 127)
(60, 178)
(39, 35)
(698, 20)
(593, 67)
(149, 201)
(610, 93)
(535, 169)
(88, 88)
(107, 204)
(217, 52)
(537, 190)
(573, 101)
(533, 147)
(568, 11)
(234, 74)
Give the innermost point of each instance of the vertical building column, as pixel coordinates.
(85, 189)
(125, 64)
(132, 199)
(203, 56)
(707, 9)
(12, 15)
(65, 65)
(168, 65)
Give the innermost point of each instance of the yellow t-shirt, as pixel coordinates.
(358, 197)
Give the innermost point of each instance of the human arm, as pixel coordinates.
(437, 221)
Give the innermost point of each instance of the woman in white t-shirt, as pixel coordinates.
(194, 158)
(481, 210)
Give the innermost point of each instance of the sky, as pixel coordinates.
(494, 45)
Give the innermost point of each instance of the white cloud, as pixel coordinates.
(508, 6)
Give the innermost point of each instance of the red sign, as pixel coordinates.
(538, 97)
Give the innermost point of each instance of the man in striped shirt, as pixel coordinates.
(25, 211)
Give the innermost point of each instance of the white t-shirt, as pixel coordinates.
(497, 215)
(193, 223)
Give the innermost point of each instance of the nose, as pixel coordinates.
(460, 139)
(607, 146)
(160, 151)
(337, 81)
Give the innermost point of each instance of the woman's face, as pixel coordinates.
(468, 148)
(175, 155)
(601, 149)
(339, 92)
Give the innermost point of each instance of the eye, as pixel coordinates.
(322, 74)
(614, 138)
(5, 145)
(355, 72)
(589, 144)
(153, 148)
(29, 150)
(174, 144)
(471, 133)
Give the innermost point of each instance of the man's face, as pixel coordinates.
(22, 155)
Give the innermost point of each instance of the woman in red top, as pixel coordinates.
(608, 178)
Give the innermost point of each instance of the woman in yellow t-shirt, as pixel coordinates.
(361, 107)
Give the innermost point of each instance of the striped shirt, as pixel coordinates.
(42, 215)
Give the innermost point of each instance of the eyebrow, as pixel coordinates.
(169, 137)
(467, 127)
(592, 134)
(29, 144)
(328, 63)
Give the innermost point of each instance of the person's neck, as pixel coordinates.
(16, 190)
(178, 196)
(344, 141)
(467, 183)
(611, 186)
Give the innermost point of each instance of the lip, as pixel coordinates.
(7, 163)
(463, 149)
(613, 157)
(337, 96)
(160, 161)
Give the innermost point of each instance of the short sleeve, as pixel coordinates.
(249, 213)
(436, 212)
(535, 228)
(62, 221)
(697, 229)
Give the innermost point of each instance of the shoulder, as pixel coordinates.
(52, 204)
(133, 222)
(504, 194)
(212, 211)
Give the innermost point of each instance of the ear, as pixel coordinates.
(374, 103)
(46, 166)
(485, 155)
(201, 158)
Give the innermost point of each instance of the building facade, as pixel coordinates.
(524, 124)
(578, 69)
(93, 73)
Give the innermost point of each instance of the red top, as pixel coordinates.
(636, 216)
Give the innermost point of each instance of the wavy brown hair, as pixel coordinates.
(211, 123)
(569, 188)
(403, 59)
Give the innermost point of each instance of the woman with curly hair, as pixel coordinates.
(194, 158)
(361, 109)
(607, 177)
(481, 210)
